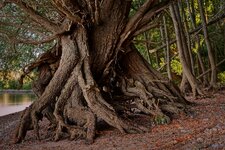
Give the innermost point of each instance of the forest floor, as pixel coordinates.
(203, 128)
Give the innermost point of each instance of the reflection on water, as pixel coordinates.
(12, 102)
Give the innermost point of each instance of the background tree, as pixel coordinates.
(183, 52)
(209, 46)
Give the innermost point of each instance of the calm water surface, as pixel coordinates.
(14, 102)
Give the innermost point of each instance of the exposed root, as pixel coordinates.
(48, 113)
(72, 99)
(74, 131)
(82, 117)
(25, 124)
(92, 93)
(147, 102)
(67, 63)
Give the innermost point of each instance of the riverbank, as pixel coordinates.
(15, 100)
(204, 128)
(13, 91)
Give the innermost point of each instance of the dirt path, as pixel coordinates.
(202, 129)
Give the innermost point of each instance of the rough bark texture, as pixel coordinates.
(101, 75)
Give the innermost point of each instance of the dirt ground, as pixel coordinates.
(204, 128)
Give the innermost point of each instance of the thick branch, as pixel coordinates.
(141, 19)
(134, 21)
(156, 9)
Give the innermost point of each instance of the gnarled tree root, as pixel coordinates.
(78, 86)
(25, 124)
(85, 116)
(92, 93)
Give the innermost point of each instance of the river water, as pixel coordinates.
(14, 102)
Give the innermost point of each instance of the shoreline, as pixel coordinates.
(13, 101)
(11, 114)
(203, 128)
(13, 91)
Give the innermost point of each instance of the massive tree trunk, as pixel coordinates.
(101, 75)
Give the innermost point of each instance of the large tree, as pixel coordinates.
(93, 70)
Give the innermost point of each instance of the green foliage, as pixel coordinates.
(15, 55)
(1, 84)
(161, 119)
(9, 84)
(27, 82)
(176, 66)
(162, 62)
(27, 86)
(135, 5)
(11, 81)
(221, 77)
(12, 84)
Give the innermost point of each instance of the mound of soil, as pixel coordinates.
(203, 128)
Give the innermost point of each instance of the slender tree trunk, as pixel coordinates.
(148, 47)
(188, 40)
(193, 22)
(202, 67)
(168, 67)
(188, 50)
(209, 46)
(224, 37)
(157, 58)
(184, 83)
(182, 47)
